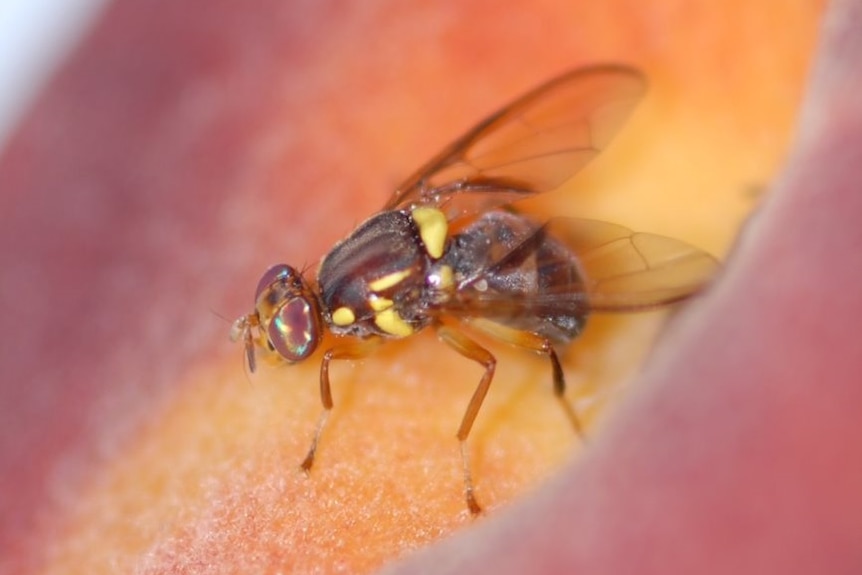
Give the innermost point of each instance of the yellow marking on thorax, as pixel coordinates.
(432, 229)
(442, 278)
(388, 280)
(389, 321)
(378, 303)
(343, 316)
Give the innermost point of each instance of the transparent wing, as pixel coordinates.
(624, 270)
(530, 146)
(577, 266)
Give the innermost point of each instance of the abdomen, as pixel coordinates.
(511, 271)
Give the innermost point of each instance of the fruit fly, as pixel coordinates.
(449, 252)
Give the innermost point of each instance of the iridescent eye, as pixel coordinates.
(276, 273)
(293, 329)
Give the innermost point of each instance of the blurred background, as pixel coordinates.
(35, 36)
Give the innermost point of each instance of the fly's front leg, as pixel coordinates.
(352, 350)
(471, 350)
(539, 344)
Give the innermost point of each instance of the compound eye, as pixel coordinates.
(293, 330)
(277, 273)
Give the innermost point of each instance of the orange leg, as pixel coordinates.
(248, 342)
(356, 349)
(471, 350)
(539, 344)
(242, 329)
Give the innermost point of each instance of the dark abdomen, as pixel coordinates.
(511, 271)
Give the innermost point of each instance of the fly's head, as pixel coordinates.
(286, 318)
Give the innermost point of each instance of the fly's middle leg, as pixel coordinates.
(471, 350)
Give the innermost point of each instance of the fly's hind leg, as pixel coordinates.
(539, 344)
(471, 350)
(351, 350)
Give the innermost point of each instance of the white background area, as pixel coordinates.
(35, 36)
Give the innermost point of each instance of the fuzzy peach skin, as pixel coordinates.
(188, 145)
